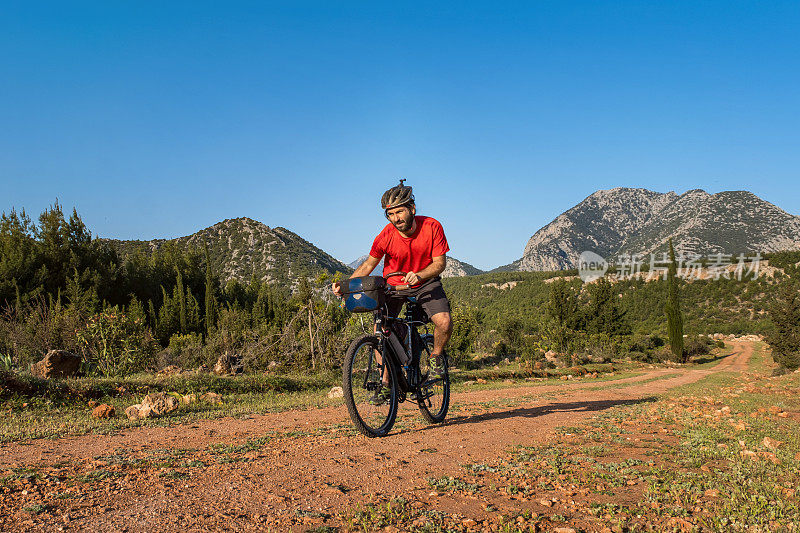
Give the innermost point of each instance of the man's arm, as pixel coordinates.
(364, 269)
(430, 271)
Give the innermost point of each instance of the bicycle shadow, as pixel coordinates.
(542, 410)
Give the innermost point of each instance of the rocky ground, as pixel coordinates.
(527, 457)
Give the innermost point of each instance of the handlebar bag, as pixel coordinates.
(364, 294)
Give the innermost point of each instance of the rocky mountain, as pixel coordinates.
(457, 269)
(240, 247)
(454, 268)
(639, 221)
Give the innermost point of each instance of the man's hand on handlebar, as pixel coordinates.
(337, 288)
(411, 278)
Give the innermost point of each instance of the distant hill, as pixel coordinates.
(240, 247)
(640, 221)
(454, 268)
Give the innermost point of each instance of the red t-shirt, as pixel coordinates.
(409, 254)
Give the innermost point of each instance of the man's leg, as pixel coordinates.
(434, 302)
(443, 328)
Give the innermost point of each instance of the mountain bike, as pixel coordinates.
(395, 357)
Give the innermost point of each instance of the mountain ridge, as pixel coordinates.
(240, 248)
(640, 221)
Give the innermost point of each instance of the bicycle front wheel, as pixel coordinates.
(365, 374)
(434, 393)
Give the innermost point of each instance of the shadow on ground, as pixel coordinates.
(710, 358)
(534, 412)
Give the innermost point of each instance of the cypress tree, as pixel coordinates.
(673, 308)
(193, 311)
(269, 306)
(304, 291)
(784, 338)
(167, 319)
(209, 295)
(18, 299)
(151, 310)
(181, 294)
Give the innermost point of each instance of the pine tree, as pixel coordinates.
(84, 301)
(562, 306)
(673, 308)
(605, 315)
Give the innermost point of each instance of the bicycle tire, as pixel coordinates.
(360, 376)
(434, 399)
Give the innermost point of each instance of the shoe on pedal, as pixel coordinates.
(381, 396)
(436, 366)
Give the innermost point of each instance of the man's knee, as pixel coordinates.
(443, 322)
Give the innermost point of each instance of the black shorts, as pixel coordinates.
(430, 295)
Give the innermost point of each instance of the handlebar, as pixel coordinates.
(396, 288)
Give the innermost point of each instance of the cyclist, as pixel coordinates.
(416, 245)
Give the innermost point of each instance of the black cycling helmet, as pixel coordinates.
(397, 196)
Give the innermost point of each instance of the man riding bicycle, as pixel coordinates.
(416, 245)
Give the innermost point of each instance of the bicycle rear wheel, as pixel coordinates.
(434, 394)
(362, 380)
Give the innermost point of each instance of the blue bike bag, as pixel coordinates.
(364, 294)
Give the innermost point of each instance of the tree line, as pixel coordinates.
(60, 288)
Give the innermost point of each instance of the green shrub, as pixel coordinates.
(39, 326)
(500, 349)
(696, 345)
(186, 351)
(466, 323)
(114, 343)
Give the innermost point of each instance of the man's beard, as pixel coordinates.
(404, 225)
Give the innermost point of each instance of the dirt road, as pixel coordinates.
(295, 470)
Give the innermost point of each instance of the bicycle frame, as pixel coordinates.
(407, 361)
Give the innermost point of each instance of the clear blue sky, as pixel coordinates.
(158, 120)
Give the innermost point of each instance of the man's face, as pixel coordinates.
(402, 217)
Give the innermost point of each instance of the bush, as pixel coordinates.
(500, 349)
(602, 347)
(642, 343)
(186, 351)
(466, 323)
(697, 345)
(645, 357)
(30, 332)
(530, 357)
(114, 343)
